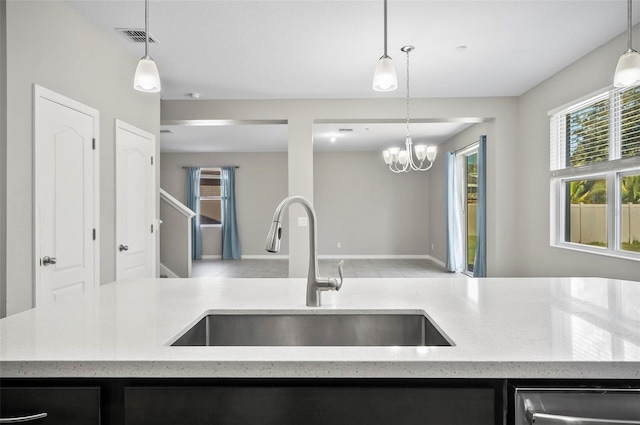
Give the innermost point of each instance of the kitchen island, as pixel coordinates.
(105, 357)
(574, 328)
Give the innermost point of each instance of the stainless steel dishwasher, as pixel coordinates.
(577, 406)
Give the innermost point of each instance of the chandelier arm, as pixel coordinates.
(424, 169)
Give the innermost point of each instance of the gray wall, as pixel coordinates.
(300, 115)
(593, 72)
(50, 44)
(367, 208)
(261, 183)
(3, 156)
(174, 240)
(438, 187)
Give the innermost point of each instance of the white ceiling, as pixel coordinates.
(292, 49)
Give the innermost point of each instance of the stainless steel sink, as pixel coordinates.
(313, 329)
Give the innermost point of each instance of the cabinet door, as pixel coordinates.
(64, 406)
(308, 405)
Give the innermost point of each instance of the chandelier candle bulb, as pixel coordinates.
(394, 152)
(432, 151)
(387, 157)
(403, 157)
(421, 152)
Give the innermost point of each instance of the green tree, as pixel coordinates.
(588, 191)
(630, 188)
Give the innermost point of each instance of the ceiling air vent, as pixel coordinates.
(163, 131)
(345, 130)
(136, 35)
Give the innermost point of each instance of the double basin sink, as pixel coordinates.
(337, 328)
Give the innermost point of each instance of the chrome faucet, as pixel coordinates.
(315, 284)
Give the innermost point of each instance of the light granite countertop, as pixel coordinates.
(502, 328)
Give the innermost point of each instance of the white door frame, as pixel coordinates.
(41, 92)
(152, 219)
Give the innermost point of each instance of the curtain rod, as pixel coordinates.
(211, 166)
(470, 146)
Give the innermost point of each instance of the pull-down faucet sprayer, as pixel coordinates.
(315, 284)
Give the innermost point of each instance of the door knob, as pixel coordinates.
(48, 260)
(123, 248)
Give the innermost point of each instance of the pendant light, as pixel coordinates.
(403, 161)
(385, 77)
(146, 78)
(628, 69)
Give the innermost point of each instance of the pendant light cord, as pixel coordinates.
(146, 28)
(385, 29)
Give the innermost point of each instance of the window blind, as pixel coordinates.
(629, 111)
(210, 183)
(603, 128)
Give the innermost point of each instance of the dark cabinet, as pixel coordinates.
(346, 404)
(62, 405)
(249, 401)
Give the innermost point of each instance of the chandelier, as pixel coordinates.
(402, 161)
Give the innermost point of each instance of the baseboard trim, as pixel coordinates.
(265, 257)
(337, 257)
(211, 257)
(249, 257)
(373, 257)
(167, 272)
(436, 261)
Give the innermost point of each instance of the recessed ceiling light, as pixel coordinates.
(194, 95)
(333, 139)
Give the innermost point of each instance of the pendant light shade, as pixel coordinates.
(628, 68)
(147, 78)
(385, 77)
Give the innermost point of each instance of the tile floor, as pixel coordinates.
(352, 268)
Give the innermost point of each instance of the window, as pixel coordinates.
(595, 174)
(210, 199)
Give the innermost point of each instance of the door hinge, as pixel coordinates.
(93, 144)
(151, 160)
(94, 234)
(152, 228)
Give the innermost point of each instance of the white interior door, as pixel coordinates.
(135, 202)
(66, 196)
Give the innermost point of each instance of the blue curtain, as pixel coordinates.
(193, 202)
(455, 257)
(480, 263)
(230, 240)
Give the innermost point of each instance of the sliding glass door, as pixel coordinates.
(470, 189)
